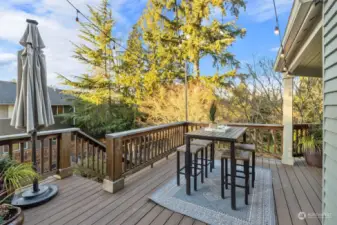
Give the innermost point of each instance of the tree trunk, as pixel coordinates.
(196, 68)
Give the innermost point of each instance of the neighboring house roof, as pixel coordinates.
(8, 94)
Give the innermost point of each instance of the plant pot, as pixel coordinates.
(16, 218)
(313, 158)
(213, 125)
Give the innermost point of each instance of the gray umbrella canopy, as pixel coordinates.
(32, 109)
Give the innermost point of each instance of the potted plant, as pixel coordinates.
(312, 145)
(13, 176)
(212, 113)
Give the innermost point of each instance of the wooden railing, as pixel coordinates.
(267, 137)
(132, 150)
(129, 151)
(57, 151)
(89, 152)
(301, 131)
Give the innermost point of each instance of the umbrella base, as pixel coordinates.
(28, 198)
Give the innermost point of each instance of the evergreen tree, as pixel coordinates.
(186, 30)
(132, 68)
(99, 108)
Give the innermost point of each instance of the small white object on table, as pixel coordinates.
(220, 128)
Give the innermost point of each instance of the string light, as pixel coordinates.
(77, 19)
(282, 54)
(277, 31)
(107, 35)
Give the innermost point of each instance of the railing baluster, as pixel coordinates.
(136, 143)
(131, 153)
(50, 151)
(156, 141)
(102, 162)
(125, 150)
(274, 139)
(75, 146)
(58, 140)
(93, 156)
(82, 152)
(42, 156)
(144, 149)
(22, 153)
(269, 141)
(98, 158)
(87, 154)
(141, 149)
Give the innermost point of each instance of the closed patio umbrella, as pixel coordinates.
(32, 109)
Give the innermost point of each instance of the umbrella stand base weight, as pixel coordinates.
(28, 198)
(30, 193)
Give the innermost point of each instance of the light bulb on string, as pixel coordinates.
(276, 30)
(282, 54)
(77, 19)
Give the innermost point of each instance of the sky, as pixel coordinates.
(58, 29)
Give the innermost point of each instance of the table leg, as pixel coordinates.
(188, 165)
(233, 175)
(245, 138)
(212, 154)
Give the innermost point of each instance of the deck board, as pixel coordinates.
(82, 201)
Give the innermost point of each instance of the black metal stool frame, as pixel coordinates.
(225, 174)
(194, 167)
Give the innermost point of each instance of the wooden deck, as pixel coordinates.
(82, 201)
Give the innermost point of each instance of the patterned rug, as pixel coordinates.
(207, 205)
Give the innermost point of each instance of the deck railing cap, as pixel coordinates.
(142, 130)
(40, 133)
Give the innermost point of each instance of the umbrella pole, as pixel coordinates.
(35, 182)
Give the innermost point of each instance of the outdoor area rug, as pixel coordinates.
(207, 205)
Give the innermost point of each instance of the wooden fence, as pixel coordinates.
(56, 150)
(130, 151)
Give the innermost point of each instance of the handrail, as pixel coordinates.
(143, 130)
(91, 138)
(257, 125)
(40, 133)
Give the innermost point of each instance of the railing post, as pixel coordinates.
(185, 130)
(64, 146)
(114, 164)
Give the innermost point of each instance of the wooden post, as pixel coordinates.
(287, 155)
(114, 157)
(64, 148)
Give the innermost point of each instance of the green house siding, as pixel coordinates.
(330, 113)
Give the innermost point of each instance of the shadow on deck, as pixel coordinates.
(82, 201)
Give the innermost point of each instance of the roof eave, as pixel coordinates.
(295, 12)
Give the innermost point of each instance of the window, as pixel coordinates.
(3, 111)
(16, 146)
(59, 109)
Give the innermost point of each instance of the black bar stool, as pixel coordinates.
(208, 161)
(249, 148)
(198, 168)
(239, 156)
